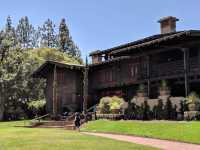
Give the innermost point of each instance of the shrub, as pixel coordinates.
(193, 98)
(193, 101)
(104, 105)
(36, 106)
(116, 103)
(110, 103)
(168, 110)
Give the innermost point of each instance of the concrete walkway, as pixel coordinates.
(162, 144)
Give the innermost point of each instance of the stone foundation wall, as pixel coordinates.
(154, 102)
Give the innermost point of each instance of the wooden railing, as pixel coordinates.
(166, 69)
(173, 68)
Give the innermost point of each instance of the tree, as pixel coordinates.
(63, 35)
(22, 88)
(10, 65)
(48, 37)
(9, 32)
(25, 32)
(65, 41)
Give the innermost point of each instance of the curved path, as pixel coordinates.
(162, 144)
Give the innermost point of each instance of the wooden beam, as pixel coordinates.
(85, 88)
(148, 76)
(186, 69)
(55, 91)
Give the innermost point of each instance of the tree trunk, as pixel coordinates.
(1, 103)
(1, 111)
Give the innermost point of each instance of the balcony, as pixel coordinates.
(174, 68)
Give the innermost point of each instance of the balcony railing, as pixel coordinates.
(173, 68)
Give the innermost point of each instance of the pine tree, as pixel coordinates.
(24, 32)
(65, 41)
(63, 35)
(9, 32)
(48, 37)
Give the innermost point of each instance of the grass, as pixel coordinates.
(17, 138)
(179, 131)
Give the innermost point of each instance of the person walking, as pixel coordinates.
(77, 121)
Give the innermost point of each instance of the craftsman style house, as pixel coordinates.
(171, 55)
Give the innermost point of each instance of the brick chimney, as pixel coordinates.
(168, 24)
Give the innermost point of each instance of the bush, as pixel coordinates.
(36, 106)
(193, 98)
(110, 103)
(104, 105)
(193, 101)
(116, 103)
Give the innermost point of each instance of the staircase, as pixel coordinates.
(65, 124)
(69, 125)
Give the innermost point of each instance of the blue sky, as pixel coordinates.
(101, 24)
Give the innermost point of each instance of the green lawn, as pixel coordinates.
(17, 138)
(180, 131)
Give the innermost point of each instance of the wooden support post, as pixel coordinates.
(186, 69)
(148, 76)
(85, 88)
(55, 91)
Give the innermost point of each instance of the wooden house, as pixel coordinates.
(171, 55)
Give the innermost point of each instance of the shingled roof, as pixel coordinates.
(41, 71)
(147, 41)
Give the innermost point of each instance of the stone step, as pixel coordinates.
(55, 124)
(70, 127)
(43, 126)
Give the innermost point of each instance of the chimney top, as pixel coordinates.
(168, 24)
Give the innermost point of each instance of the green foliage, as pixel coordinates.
(193, 98)
(36, 105)
(168, 110)
(42, 54)
(164, 85)
(116, 103)
(15, 74)
(26, 36)
(104, 105)
(63, 35)
(107, 104)
(25, 33)
(48, 37)
(66, 43)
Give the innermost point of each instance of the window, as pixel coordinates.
(134, 70)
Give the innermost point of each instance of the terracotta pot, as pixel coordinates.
(115, 111)
(192, 107)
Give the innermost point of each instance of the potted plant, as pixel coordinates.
(141, 91)
(193, 101)
(164, 89)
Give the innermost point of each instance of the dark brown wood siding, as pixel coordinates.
(68, 90)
